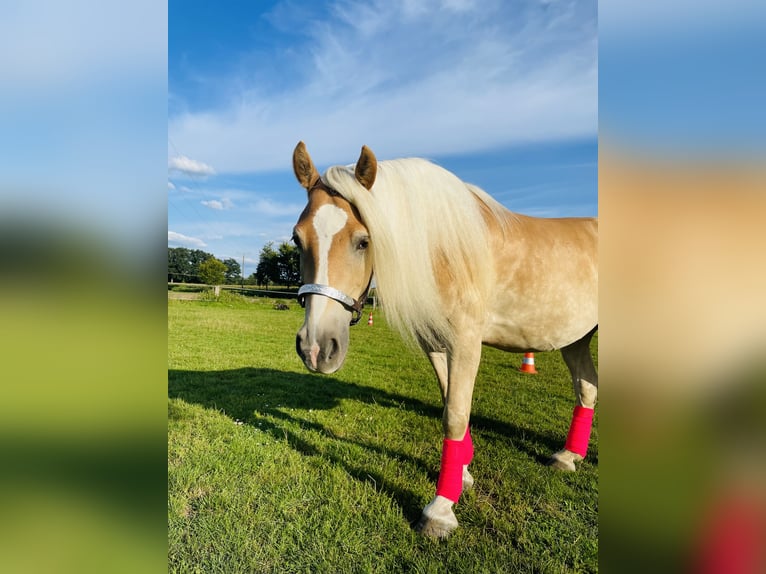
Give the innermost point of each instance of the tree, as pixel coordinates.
(233, 271)
(280, 266)
(289, 264)
(212, 271)
(198, 257)
(183, 264)
(179, 264)
(268, 265)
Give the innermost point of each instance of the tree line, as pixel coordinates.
(276, 266)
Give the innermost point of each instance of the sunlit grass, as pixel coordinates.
(273, 469)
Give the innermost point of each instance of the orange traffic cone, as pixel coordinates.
(369, 321)
(528, 364)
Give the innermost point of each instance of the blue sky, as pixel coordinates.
(504, 94)
(684, 79)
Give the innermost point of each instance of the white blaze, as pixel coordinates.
(328, 220)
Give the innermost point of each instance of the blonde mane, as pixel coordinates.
(423, 222)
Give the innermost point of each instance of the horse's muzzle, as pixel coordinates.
(324, 355)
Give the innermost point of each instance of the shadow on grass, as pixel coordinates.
(248, 394)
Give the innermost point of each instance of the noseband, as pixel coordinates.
(355, 305)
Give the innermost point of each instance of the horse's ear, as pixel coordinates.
(303, 167)
(366, 167)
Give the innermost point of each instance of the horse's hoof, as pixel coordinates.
(561, 464)
(439, 528)
(564, 460)
(438, 520)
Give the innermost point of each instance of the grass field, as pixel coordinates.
(274, 469)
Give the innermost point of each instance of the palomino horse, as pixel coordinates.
(454, 270)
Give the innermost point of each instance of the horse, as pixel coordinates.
(454, 270)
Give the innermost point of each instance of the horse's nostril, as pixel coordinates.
(298, 347)
(334, 346)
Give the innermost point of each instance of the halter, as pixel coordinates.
(355, 305)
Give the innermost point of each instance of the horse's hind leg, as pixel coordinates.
(585, 381)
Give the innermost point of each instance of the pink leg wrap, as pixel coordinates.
(579, 430)
(468, 447)
(732, 539)
(455, 454)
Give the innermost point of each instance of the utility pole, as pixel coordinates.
(243, 271)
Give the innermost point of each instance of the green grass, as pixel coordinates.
(274, 469)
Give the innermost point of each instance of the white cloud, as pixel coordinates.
(184, 240)
(495, 74)
(273, 209)
(189, 166)
(171, 185)
(225, 203)
(213, 204)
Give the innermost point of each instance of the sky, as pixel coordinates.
(685, 78)
(504, 94)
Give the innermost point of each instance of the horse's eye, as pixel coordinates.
(363, 244)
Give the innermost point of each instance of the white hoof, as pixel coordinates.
(564, 460)
(438, 520)
(467, 478)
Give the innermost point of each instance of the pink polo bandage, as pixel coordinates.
(579, 430)
(455, 454)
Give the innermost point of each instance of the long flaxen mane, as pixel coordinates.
(423, 221)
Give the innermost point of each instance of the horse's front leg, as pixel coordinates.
(438, 519)
(439, 363)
